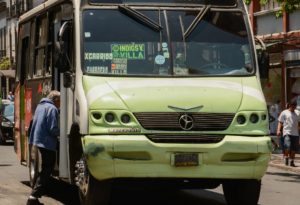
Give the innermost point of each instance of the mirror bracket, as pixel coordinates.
(263, 59)
(62, 61)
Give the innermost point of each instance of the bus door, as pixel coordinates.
(21, 123)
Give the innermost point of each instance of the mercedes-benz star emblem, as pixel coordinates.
(186, 122)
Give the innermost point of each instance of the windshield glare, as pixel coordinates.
(117, 44)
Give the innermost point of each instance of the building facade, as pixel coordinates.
(10, 10)
(282, 39)
(8, 35)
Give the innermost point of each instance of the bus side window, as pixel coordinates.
(24, 58)
(32, 50)
(23, 53)
(40, 46)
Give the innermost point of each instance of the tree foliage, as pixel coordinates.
(286, 5)
(4, 63)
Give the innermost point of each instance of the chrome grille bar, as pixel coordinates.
(200, 139)
(170, 121)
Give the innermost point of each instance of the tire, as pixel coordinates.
(34, 164)
(92, 191)
(242, 192)
(97, 193)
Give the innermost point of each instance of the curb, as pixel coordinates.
(277, 162)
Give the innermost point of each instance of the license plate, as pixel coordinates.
(186, 159)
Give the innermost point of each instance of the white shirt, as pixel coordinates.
(290, 122)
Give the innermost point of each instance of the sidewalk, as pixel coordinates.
(278, 161)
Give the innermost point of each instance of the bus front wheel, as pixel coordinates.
(244, 192)
(34, 164)
(91, 191)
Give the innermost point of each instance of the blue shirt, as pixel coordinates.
(45, 130)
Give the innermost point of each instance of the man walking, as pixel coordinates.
(288, 122)
(43, 135)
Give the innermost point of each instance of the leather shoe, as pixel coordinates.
(286, 161)
(293, 164)
(33, 202)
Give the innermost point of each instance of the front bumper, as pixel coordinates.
(135, 156)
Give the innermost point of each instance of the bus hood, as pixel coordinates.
(220, 95)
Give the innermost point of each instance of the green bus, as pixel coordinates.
(160, 91)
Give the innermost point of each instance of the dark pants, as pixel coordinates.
(48, 162)
(294, 143)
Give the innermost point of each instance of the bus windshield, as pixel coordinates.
(139, 42)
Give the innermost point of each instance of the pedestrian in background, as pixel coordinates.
(10, 96)
(43, 135)
(288, 123)
(274, 113)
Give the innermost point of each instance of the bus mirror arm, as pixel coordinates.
(64, 32)
(62, 46)
(263, 58)
(62, 62)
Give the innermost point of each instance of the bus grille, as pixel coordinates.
(172, 122)
(200, 139)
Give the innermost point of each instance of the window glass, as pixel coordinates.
(126, 47)
(40, 43)
(32, 51)
(8, 110)
(118, 44)
(23, 52)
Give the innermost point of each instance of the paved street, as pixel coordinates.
(279, 187)
(14, 186)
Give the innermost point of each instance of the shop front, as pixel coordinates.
(292, 62)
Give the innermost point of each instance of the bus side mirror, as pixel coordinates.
(263, 64)
(62, 47)
(68, 79)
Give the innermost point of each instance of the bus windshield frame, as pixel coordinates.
(168, 62)
(216, 3)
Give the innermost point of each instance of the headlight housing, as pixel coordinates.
(113, 121)
(250, 123)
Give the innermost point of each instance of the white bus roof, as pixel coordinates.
(40, 8)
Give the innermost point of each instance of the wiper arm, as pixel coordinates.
(138, 16)
(194, 24)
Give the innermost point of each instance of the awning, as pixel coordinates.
(8, 73)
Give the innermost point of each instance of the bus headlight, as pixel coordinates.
(241, 119)
(97, 115)
(254, 118)
(109, 117)
(125, 118)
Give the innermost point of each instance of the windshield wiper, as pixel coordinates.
(194, 24)
(138, 16)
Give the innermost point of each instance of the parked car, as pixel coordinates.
(6, 121)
